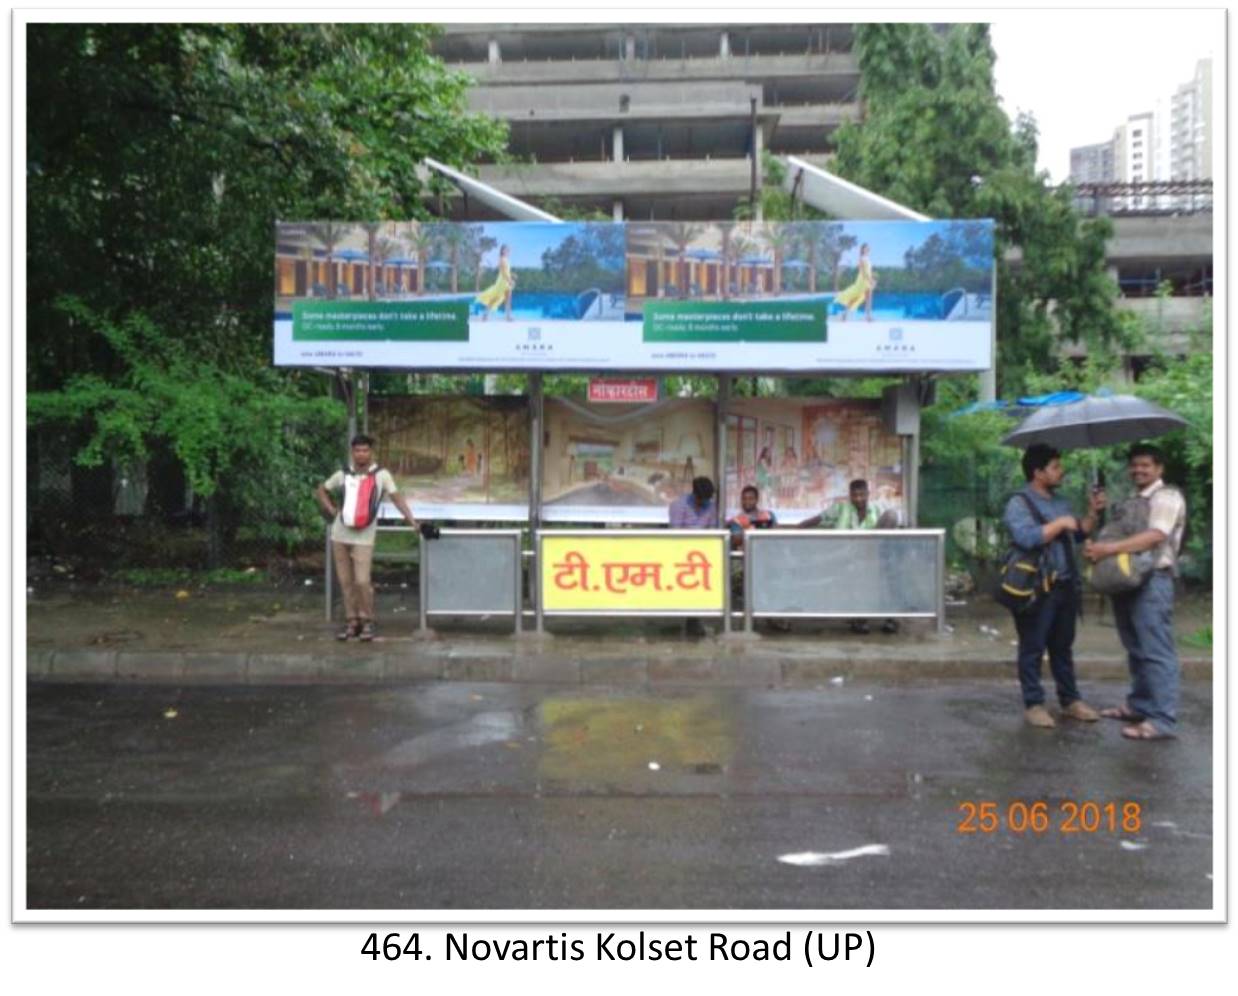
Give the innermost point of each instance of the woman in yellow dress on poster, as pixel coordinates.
(499, 292)
(861, 289)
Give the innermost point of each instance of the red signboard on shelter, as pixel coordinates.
(628, 391)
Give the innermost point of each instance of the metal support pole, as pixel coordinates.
(423, 585)
(941, 583)
(913, 478)
(748, 545)
(537, 436)
(721, 409)
(988, 378)
(539, 615)
(726, 585)
(518, 597)
(330, 574)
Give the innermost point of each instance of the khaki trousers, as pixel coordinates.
(352, 570)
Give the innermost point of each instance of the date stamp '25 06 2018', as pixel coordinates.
(1067, 816)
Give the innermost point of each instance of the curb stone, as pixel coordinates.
(520, 666)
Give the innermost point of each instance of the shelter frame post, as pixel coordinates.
(537, 435)
(329, 582)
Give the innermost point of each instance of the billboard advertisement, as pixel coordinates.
(802, 453)
(639, 296)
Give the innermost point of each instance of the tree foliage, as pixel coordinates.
(248, 445)
(936, 139)
(159, 157)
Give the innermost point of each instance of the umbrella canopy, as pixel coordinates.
(1095, 421)
(351, 255)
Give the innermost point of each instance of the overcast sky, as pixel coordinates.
(1081, 73)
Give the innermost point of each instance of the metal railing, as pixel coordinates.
(786, 574)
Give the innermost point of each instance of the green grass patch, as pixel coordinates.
(1201, 639)
(165, 577)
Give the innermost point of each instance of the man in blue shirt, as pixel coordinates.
(695, 510)
(1051, 624)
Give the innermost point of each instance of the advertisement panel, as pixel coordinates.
(802, 453)
(641, 296)
(603, 466)
(672, 572)
(461, 458)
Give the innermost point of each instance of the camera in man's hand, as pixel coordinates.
(430, 531)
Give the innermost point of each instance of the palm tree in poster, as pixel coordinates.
(371, 238)
(782, 241)
(381, 251)
(740, 246)
(682, 233)
(726, 228)
(329, 234)
(421, 242)
(453, 237)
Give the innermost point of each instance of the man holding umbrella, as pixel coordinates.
(1036, 519)
(1145, 615)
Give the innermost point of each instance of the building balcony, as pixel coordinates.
(618, 180)
(817, 69)
(616, 102)
(1172, 316)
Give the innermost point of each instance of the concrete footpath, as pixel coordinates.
(228, 636)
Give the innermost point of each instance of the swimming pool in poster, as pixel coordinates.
(639, 296)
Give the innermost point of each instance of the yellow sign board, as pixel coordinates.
(634, 573)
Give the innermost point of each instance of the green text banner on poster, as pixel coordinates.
(733, 321)
(362, 321)
(637, 297)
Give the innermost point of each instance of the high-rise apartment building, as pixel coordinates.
(663, 121)
(1092, 163)
(1190, 127)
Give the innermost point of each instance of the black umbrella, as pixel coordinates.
(1095, 421)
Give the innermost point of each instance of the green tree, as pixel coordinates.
(246, 443)
(160, 191)
(935, 138)
(159, 157)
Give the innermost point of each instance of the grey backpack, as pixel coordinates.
(1124, 572)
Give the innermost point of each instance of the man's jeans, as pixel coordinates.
(1145, 619)
(1050, 626)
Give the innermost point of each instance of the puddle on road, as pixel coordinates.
(608, 741)
(476, 731)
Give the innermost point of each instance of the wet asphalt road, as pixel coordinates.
(501, 796)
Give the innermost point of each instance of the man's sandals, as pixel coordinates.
(1144, 731)
(1139, 728)
(1122, 713)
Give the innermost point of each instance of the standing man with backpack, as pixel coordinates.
(1145, 614)
(354, 527)
(1040, 522)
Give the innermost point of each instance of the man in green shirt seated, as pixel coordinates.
(855, 513)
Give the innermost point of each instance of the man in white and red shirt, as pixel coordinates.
(354, 526)
(1145, 615)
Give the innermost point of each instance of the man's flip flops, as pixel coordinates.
(1144, 731)
(1122, 713)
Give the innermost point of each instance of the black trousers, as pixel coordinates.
(1050, 626)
